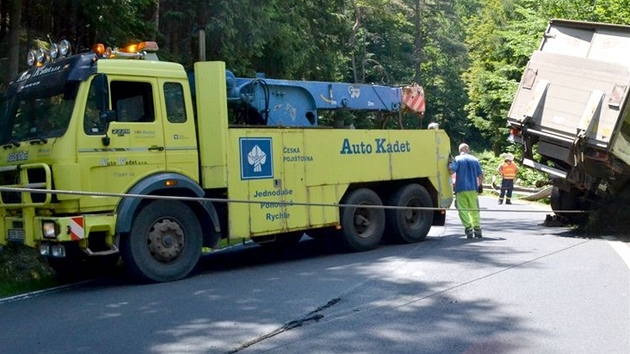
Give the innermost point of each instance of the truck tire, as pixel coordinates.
(164, 243)
(362, 228)
(562, 200)
(407, 225)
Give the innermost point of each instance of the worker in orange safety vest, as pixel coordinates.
(508, 170)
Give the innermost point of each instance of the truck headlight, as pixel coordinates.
(49, 229)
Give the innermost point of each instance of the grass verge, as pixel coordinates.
(22, 270)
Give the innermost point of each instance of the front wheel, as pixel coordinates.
(362, 228)
(164, 243)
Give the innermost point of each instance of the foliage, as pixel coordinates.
(527, 177)
(501, 37)
(613, 11)
(444, 60)
(22, 270)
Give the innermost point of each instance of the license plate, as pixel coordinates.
(16, 235)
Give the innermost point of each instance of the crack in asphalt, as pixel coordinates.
(314, 315)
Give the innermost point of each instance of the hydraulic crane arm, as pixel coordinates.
(297, 103)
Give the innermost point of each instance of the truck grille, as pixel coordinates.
(31, 176)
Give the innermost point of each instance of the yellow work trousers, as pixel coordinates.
(467, 204)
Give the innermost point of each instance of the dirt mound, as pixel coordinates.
(611, 218)
(20, 264)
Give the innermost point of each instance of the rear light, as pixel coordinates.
(515, 135)
(598, 155)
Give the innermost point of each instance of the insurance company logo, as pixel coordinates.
(256, 158)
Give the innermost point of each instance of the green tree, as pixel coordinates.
(28, 24)
(501, 37)
(13, 50)
(612, 11)
(443, 58)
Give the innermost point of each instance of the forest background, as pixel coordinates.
(467, 54)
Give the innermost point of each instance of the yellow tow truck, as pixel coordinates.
(112, 153)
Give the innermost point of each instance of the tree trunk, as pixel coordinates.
(156, 18)
(4, 16)
(353, 38)
(418, 41)
(14, 39)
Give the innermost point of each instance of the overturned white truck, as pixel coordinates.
(570, 114)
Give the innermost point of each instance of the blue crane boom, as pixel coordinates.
(297, 103)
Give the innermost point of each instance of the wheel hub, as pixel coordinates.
(412, 216)
(363, 221)
(166, 240)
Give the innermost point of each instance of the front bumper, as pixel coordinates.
(27, 229)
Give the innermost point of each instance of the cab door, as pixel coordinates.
(115, 156)
(180, 136)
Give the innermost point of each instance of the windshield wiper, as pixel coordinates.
(12, 143)
(38, 140)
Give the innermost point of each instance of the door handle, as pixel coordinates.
(156, 148)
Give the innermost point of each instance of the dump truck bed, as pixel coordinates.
(575, 85)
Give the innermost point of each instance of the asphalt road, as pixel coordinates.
(523, 288)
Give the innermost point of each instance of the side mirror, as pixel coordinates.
(106, 117)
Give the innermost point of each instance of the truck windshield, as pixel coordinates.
(37, 114)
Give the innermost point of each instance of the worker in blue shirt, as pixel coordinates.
(467, 184)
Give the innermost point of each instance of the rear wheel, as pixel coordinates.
(610, 215)
(362, 228)
(164, 243)
(563, 200)
(409, 225)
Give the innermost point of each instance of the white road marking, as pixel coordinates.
(622, 249)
